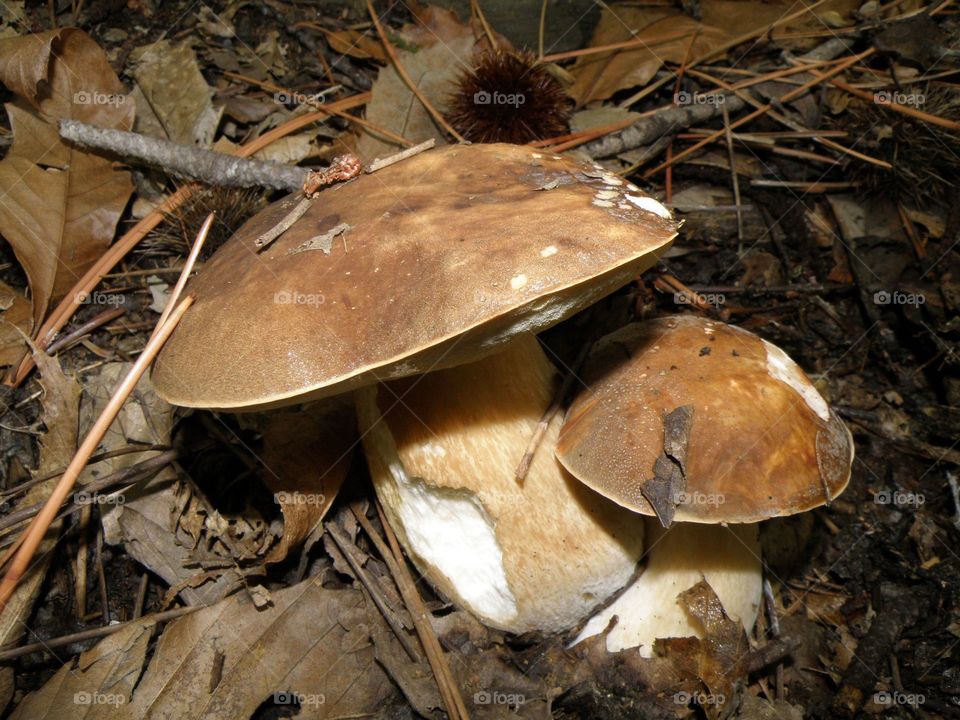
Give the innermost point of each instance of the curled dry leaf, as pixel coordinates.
(60, 206)
(720, 658)
(310, 646)
(306, 457)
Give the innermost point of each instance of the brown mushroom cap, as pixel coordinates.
(428, 263)
(762, 442)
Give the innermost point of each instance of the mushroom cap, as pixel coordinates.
(762, 442)
(428, 263)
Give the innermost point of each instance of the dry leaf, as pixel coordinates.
(306, 456)
(144, 517)
(16, 320)
(174, 100)
(59, 207)
(600, 76)
(101, 683)
(394, 108)
(356, 44)
(311, 644)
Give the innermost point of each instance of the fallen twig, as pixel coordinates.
(393, 556)
(184, 161)
(94, 634)
(381, 163)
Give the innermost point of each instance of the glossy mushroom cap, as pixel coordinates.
(736, 429)
(429, 263)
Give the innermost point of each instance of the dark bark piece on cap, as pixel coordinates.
(449, 255)
(762, 443)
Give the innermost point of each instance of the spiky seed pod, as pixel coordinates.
(175, 235)
(509, 97)
(923, 155)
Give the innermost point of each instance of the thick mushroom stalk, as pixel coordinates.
(728, 558)
(442, 450)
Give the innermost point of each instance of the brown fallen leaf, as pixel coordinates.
(59, 207)
(393, 107)
(173, 99)
(720, 659)
(599, 76)
(306, 456)
(16, 320)
(311, 645)
(355, 44)
(99, 685)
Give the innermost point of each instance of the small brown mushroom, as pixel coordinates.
(696, 421)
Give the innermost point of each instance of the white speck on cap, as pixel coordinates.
(548, 251)
(602, 203)
(611, 179)
(632, 188)
(536, 156)
(780, 366)
(607, 194)
(518, 282)
(650, 205)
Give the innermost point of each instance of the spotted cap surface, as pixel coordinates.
(762, 442)
(432, 262)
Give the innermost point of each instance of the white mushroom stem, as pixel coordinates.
(677, 559)
(442, 450)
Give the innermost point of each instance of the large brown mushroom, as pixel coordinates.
(704, 423)
(434, 261)
(437, 261)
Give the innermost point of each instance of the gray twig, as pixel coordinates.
(184, 161)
